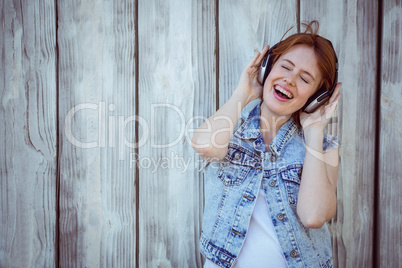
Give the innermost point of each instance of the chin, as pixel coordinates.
(276, 109)
(279, 109)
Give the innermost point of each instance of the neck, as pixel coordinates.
(270, 123)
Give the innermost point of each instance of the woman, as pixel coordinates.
(270, 186)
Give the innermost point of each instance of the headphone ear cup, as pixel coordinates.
(263, 72)
(321, 96)
(266, 66)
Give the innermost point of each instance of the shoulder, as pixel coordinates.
(248, 113)
(249, 108)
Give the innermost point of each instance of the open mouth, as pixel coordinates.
(283, 93)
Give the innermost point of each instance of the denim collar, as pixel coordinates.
(250, 130)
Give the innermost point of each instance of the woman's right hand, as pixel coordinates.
(248, 82)
(211, 139)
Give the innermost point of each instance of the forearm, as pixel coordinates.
(317, 194)
(211, 139)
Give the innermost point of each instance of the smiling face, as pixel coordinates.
(293, 79)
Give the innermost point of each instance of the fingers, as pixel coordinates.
(321, 116)
(336, 94)
(337, 98)
(331, 107)
(253, 60)
(262, 55)
(257, 59)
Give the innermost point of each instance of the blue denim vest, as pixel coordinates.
(232, 185)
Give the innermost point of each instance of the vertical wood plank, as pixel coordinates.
(176, 82)
(97, 108)
(204, 52)
(390, 174)
(352, 28)
(247, 26)
(28, 134)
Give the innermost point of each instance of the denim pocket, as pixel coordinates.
(238, 163)
(291, 177)
(233, 175)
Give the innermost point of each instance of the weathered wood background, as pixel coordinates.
(98, 102)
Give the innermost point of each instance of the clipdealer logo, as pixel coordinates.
(112, 129)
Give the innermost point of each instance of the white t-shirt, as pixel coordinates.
(261, 246)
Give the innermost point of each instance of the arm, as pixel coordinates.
(211, 139)
(317, 194)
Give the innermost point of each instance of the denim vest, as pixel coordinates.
(232, 185)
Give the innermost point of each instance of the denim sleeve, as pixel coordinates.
(330, 142)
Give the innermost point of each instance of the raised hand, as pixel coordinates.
(248, 81)
(319, 119)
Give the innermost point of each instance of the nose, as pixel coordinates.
(289, 79)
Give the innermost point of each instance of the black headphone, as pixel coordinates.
(314, 102)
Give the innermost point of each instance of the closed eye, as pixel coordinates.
(304, 80)
(304, 71)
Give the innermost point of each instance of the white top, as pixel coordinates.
(261, 247)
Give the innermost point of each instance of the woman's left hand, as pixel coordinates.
(319, 119)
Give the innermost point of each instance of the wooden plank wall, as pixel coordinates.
(389, 217)
(246, 28)
(355, 40)
(176, 82)
(97, 206)
(28, 139)
(80, 78)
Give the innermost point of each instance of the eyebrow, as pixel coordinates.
(304, 71)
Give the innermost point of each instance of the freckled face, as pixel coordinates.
(293, 79)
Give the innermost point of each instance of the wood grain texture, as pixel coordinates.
(203, 42)
(97, 81)
(352, 28)
(390, 172)
(245, 28)
(28, 134)
(176, 82)
(94, 76)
